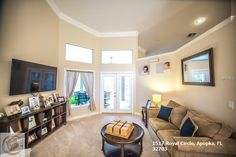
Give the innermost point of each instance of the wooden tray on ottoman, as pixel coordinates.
(117, 123)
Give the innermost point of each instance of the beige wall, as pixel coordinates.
(71, 34)
(154, 83)
(29, 31)
(212, 101)
(233, 7)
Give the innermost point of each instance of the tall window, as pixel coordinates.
(117, 57)
(79, 54)
(80, 96)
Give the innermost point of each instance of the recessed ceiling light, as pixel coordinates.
(199, 20)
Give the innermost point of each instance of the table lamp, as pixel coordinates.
(156, 99)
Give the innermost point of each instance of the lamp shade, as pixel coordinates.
(156, 98)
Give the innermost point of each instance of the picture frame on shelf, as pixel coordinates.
(44, 131)
(47, 103)
(25, 110)
(12, 110)
(32, 122)
(53, 112)
(53, 124)
(34, 103)
(55, 95)
(61, 99)
(32, 137)
(50, 99)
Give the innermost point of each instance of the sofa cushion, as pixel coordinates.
(164, 113)
(173, 104)
(224, 133)
(188, 128)
(166, 136)
(160, 124)
(177, 113)
(206, 126)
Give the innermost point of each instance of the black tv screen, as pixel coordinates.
(27, 77)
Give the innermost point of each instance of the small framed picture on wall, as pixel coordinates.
(144, 69)
(162, 67)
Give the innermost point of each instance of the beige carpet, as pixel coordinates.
(81, 138)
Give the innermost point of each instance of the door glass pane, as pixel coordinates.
(124, 92)
(109, 92)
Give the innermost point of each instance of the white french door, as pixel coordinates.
(116, 92)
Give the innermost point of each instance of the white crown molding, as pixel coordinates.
(155, 56)
(86, 28)
(118, 34)
(76, 23)
(210, 31)
(54, 7)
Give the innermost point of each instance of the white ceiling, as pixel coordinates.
(162, 24)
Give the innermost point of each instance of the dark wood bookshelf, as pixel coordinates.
(59, 119)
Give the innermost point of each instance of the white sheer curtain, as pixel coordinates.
(71, 81)
(88, 81)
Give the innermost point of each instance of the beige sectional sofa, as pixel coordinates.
(212, 139)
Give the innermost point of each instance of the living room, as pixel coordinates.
(128, 53)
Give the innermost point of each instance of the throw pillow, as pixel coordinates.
(164, 113)
(189, 128)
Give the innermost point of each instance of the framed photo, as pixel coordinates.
(47, 103)
(34, 103)
(32, 137)
(44, 131)
(53, 112)
(55, 95)
(53, 124)
(12, 110)
(163, 67)
(166, 67)
(144, 70)
(50, 99)
(25, 110)
(61, 99)
(32, 122)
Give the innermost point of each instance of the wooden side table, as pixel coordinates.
(144, 116)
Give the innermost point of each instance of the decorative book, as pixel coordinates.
(119, 129)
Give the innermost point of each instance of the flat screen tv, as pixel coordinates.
(27, 77)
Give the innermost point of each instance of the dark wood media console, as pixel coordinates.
(51, 118)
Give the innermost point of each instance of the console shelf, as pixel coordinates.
(51, 123)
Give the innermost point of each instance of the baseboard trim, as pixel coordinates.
(82, 116)
(137, 113)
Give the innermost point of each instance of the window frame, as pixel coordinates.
(132, 57)
(82, 48)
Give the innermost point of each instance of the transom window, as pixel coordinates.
(79, 54)
(117, 57)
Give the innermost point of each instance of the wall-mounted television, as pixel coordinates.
(27, 77)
